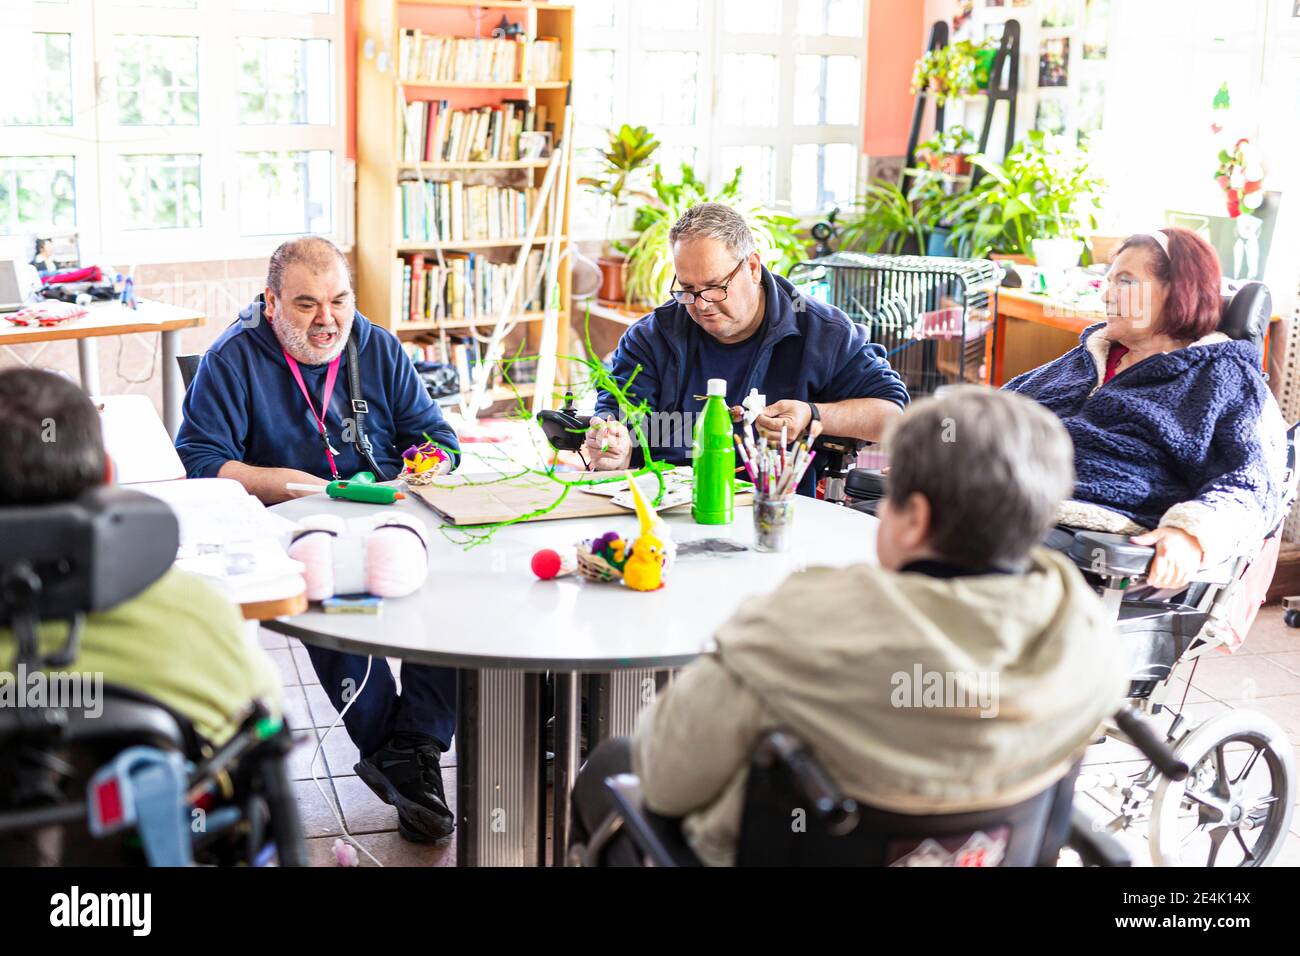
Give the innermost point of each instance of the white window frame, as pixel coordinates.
(639, 28)
(97, 142)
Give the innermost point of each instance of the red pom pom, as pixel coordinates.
(546, 564)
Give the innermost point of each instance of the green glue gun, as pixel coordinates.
(360, 487)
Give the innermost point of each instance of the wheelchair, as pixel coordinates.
(786, 783)
(1230, 791)
(134, 783)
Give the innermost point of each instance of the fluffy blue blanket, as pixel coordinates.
(1196, 425)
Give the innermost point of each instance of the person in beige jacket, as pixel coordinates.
(967, 671)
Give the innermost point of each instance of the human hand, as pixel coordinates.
(616, 441)
(1178, 556)
(794, 416)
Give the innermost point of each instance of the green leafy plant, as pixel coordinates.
(630, 149)
(1042, 190)
(885, 219)
(954, 71)
(650, 263)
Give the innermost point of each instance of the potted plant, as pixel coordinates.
(630, 149)
(1041, 200)
(650, 263)
(885, 219)
(948, 151)
(954, 71)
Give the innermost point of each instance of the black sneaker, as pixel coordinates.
(406, 773)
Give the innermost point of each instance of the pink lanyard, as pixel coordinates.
(330, 376)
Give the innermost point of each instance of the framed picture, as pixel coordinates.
(534, 145)
(1096, 29)
(1051, 115)
(1242, 243)
(1058, 13)
(1054, 62)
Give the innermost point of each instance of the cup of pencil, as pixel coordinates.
(776, 472)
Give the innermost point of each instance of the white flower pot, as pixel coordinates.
(1055, 257)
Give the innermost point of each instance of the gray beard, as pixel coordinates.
(295, 342)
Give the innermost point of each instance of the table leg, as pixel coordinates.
(88, 365)
(568, 706)
(173, 389)
(498, 750)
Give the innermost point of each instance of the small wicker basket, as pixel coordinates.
(593, 567)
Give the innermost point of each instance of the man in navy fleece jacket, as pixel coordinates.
(251, 414)
(730, 318)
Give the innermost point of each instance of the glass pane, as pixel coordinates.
(677, 14)
(826, 90)
(594, 15)
(822, 176)
(594, 80)
(157, 80)
(43, 74)
(671, 99)
(159, 191)
(751, 16)
(670, 159)
(749, 89)
(36, 192)
(839, 18)
(285, 6)
(285, 193)
(175, 4)
(758, 179)
(283, 80)
(843, 83)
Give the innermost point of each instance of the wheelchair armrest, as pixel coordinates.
(865, 484)
(659, 838)
(1095, 846)
(1113, 555)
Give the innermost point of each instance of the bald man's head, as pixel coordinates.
(309, 300)
(317, 254)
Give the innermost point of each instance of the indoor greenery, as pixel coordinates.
(1042, 190)
(650, 264)
(630, 149)
(885, 219)
(954, 71)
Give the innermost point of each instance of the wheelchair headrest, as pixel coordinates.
(1246, 314)
(90, 554)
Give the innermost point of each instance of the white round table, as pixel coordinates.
(482, 610)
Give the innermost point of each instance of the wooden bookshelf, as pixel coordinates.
(381, 159)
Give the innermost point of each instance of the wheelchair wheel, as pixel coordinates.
(1234, 808)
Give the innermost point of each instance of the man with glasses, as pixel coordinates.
(730, 318)
(272, 404)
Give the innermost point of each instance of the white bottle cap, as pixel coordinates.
(718, 386)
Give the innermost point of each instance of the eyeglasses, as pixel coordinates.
(710, 294)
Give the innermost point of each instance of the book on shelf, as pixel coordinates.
(435, 133)
(431, 59)
(466, 287)
(455, 211)
(465, 354)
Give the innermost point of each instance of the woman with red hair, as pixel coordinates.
(1177, 439)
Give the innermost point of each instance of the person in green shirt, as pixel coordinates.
(178, 641)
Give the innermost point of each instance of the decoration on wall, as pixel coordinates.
(1054, 62)
(1058, 13)
(1240, 174)
(1096, 29)
(1050, 115)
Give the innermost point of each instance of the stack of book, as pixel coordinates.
(456, 212)
(433, 59)
(435, 133)
(466, 286)
(542, 63)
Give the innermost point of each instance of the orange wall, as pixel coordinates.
(895, 35)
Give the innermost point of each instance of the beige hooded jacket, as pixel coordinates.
(919, 694)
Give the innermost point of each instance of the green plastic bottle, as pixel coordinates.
(713, 491)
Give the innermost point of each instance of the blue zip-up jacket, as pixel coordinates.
(1190, 439)
(810, 352)
(244, 405)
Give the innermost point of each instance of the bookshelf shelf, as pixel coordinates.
(387, 264)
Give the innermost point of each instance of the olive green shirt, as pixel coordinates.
(178, 642)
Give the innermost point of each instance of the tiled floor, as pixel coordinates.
(1263, 676)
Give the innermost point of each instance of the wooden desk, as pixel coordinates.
(1032, 330)
(112, 318)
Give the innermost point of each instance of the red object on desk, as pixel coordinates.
(44, 317)
(87, 274)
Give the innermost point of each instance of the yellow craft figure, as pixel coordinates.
(645, 564)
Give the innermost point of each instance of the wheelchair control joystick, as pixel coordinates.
(564, 428)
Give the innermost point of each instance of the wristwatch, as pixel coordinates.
(816, 415)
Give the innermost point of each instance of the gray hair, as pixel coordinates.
(993, 465)
(715, 220)
(315, 252)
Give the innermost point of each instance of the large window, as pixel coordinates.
(168, 130)
(771, 86)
